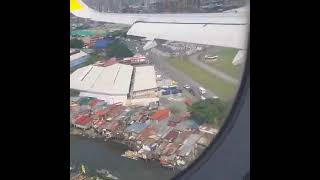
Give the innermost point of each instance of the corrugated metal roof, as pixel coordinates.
(110, 80)
(136, 127)
(83, 120)
(101, 112)
(182, 137)
(144, 78)
(160, 115)
(113, 125)
(162, 128)
(161, 147)
(205, 139)
(188, 144)
(170, 149)
(172, 135)
(147, 132)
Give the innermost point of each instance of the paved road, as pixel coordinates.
(214, 71)
(166, 70)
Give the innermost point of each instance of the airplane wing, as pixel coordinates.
(227, 29)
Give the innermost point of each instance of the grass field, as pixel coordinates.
(223, 89)
(224, 63)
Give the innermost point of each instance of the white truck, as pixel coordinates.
(202, 90)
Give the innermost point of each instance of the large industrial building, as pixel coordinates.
(144, 82)
(111, 83)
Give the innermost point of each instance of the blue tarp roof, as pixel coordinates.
(102, 43)
(137, 127)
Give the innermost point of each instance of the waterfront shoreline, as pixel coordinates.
(98, 154)
(89, 135)
(172, 139)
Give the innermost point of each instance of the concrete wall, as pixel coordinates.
(145, 93)
(110, 99)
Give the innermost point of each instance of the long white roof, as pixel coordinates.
(111, 80)
(144, 78)
(77, 55)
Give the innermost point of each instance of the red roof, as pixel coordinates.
(83, 120)
(93, 102)
(100, 123)
(160, 115)
(102, 112)
(147, 132)
(117, 110)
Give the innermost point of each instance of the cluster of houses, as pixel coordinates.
(152, 133)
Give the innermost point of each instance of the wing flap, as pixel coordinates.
(233, 36)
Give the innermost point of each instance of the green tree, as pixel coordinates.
(212, 111)
(118, 50)
(92, 59)
(175, 109)
(76, 43)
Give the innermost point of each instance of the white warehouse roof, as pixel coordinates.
(77, 55)
(110, 80)
(144, 78)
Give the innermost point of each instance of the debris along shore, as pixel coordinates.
(85, 174)
(150, 133)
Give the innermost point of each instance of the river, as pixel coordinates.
(98, 154)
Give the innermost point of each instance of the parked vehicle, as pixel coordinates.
(167, 92)
(176, 91)
(202, 90)
(215, 97)
(187, 86)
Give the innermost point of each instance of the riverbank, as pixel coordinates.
(152, 134)
(98, 154)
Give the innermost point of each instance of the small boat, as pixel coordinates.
(131, 155)
(107, 174)
(112, 177)
(83, 169)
